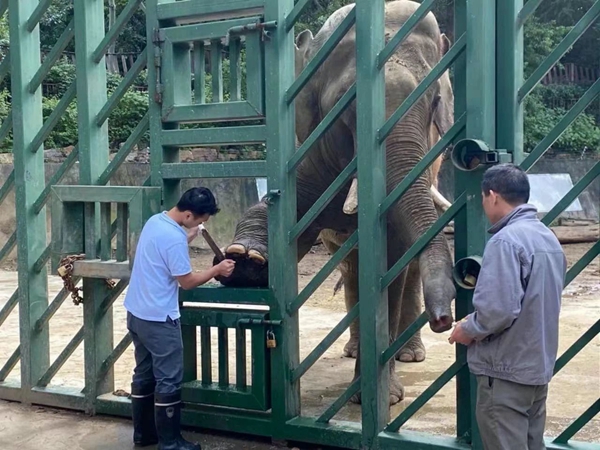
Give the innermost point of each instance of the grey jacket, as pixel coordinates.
(517, 301)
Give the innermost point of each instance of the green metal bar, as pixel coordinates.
(322, 128)
(3, 6)
(582, 263)
(9, 306)
(10, 363)
(207, 30)
(237, 135)
(55, 116)
(199, 73)
(235, 70)
(132, 140)
(7, 186)
(39, 12)
(223, 346)
(112, 295)
(340, 181)
(105, 231)
(229, 111)
(353, 389)
(216, 68)
(327, 342)
(255, 72)
(206, 9)
(567, 43)
(422, 165)
(325, 271)
(423, 241)
(55, 179)
(126, 14)
(293, 17)
(241, 381)
(321, 55)
(54, 306)
(561, 126)
(109, 362)
(427, 394)
(57, 50)
(121, 232)
(5, 65)
(206, 356)
(572, 195)
(527, 10)
(577, 346)
(43, 259)
(8, 246)
(229, 169)
(448, 59)
(419, 323)
(404, 31)
(124, 85)
(6, 126)
(61, 359)
(579, 423)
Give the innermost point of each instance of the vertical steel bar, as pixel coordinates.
(216, 70)
(283, 274)
(189, 336)
(372, 242)
(206, 355)
(122, 232)
(199, 73)
(223, 346)
(93, 159)
(241, 380)
(235, 70)
(105, 232)
(29, 184)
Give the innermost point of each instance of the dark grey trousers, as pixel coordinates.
(158, 354)
(511, 416)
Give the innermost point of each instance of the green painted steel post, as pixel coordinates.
(29, 184)
(372, 249)
(509, 76)
(476, 81)
(93, 159)
(283, 273)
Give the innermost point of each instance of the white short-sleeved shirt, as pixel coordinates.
(161, 255)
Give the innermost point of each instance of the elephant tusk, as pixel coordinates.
(439, 199)
(351, 203)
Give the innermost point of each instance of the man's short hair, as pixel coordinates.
(508, 180)
(199, 201)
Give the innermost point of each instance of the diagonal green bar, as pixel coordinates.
(119, 158)
(6, 126)
(55, 179)
(561, 126)
(124, 85)
(354, 388)
(422, 242)
(8, 246)
(5, 65)
(38, 13)
(126, 14)
(7, 186)
(52, 57)
(422, 165)
(321, 55)
(43, 259)
(9, 306)
(61, 359)
(327, 342)
(582, 263)
(10, 363)
(576, 32)
(577, 346)
(573, 193)
(323, 200)
(325, 271)
(457, 49)
(322, 128)
(299, 8)
(54, 306)
(578, 424)
(109, 362)
(528, 9)
(404, 31)
(404, 338)
(55, 116)
(112, 296)
(427, 394)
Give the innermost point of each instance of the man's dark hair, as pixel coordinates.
(199, 201)
(509, 181)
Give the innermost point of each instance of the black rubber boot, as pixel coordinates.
(167, 410)
(142, 407)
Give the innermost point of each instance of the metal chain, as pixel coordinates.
(65, 271)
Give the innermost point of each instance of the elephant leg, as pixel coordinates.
(413, 350)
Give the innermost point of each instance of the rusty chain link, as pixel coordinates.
(65, 271)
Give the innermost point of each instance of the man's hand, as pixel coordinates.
(225, 267)
(458, 335)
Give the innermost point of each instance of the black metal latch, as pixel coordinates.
(263, 27)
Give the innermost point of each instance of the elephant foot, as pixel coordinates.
(413, 351)
(351, 348)
(396, 391)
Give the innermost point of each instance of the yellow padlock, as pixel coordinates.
(271, 342)
(62, 271)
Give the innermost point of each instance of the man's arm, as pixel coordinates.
(195, 279)
(498, 294)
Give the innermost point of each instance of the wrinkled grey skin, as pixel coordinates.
(430, 274)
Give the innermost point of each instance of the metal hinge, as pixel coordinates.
(158, 37)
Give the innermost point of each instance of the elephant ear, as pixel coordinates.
(443, 114)
(302, 44)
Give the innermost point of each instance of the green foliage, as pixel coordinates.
(65, 132)
(540, 39)
(126, 116)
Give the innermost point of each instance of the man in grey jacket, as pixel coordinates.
(512, 336)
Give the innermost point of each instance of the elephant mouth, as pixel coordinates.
(251, 267)
(441, 324)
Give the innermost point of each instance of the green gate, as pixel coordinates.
(486, 59)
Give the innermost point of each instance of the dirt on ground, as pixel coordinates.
(573, 390)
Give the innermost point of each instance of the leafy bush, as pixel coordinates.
(126, 116)
(65, 133)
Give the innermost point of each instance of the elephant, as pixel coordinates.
(429, 275)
